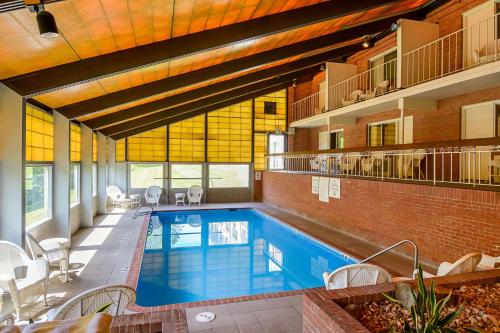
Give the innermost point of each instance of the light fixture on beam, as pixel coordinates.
(367, 42)
(45, 20)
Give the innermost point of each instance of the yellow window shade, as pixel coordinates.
(149, 146)
(94, 147)
(187, 140)
(120, 151)
(39, 135)
(75, 139)
(260, 150)
(229, 137)
(266, 122)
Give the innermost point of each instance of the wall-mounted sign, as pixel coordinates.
(258, 175)
(323, 189)
(334, 188)
(315, 185)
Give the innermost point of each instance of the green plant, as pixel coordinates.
(427, 314)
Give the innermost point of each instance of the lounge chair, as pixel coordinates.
(466, 264)
(26, 289)
(348, 164)
(153, 195)
(118, 297)
(353, 98)
(54, 250)
(115, 195)
(195, 194)
(356, 275)
(488, 262)
(315, 164)
(380, 89)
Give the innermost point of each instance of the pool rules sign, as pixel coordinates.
(334, 188)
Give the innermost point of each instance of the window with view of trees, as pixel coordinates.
(38, 188)
(144, 175)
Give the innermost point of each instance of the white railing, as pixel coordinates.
(468, 165)
(374, 82)
(471, 46)
(309, 106)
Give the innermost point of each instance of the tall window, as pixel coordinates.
(271, 121)
(187, 140)
(74, 184)
(38, 172)
(75, 137)
(94, 147)
(260, 150)
(228, 175)
(497, 117)
(186, 175)
(384, 68)
(382, 134)
(229, 136)
(120, 151)
(94, 179)
(143, 175)
(276, 146)
(337, 139)
(149, 146)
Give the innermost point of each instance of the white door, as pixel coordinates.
(324, 140)
(478, 121)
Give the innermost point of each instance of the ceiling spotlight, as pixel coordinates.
(322, 68)
(394, 26)
(367, 42)
(46, 22)
(294, 82)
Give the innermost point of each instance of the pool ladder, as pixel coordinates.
(405, 241)
(143, 213)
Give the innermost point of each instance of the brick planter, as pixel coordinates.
(324, 313)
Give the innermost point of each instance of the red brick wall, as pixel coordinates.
(446, 223)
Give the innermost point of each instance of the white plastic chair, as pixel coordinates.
(54, 250)
(119, 297)
(115, 195)
(355, 275)
(315, 164)
(488, 262)
(153, 195)
(380, 89)
(27, 288)
(353, 98)
(466, 264)
(194, 194)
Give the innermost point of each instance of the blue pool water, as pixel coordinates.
(209, 254)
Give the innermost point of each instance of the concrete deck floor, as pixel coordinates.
(102, 254)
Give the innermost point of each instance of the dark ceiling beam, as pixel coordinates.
(183, 80)
(78, 72)
(250, 89)
(171, 101)
(175, 117)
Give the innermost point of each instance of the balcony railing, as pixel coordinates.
(472, 46)
(466, 162)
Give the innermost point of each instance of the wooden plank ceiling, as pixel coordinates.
(90, 29)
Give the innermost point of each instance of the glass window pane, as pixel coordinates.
(145, 175)
(186, 175)
(39, 135)
(120, 151)
(148, 146)
(94, 179)
(389, 134)
(276, 146)
(74, 184)
(374, 135)
(37, 193)
(187, 140)
(228, 175)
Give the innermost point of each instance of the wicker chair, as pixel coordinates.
(26, 289)
(194, 194)
(54, 250)
(7, 319)
(119, 297)
(356, 275)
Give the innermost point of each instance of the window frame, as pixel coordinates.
(336, 133)
(129, 174)
(381, 124)
(268, 147)
(77, 182)
(223, 163)
(171, 179)
(49, 196)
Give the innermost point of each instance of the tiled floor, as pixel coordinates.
(274, 315)
(102, 254)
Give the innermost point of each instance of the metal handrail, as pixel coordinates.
(415, 252)
(137, 213)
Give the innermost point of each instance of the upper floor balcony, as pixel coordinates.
(425, 67)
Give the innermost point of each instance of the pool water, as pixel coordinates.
(210, 254)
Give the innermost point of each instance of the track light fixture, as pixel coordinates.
(46, 21)
(367, 42)
(394, 26)
(294, 82)
(322, 68)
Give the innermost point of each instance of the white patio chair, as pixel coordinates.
(466, 264)
(315, 164)
(23, 288)
(119, 297)
(353, 98)
(115, 195)
(153, 195)
(488, 262)
(411, 161)
(194, 194)
(54, 250)
(7, 319)
(348, 164)
(355, 275)
(380, 89)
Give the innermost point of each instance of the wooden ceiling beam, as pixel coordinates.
(175, 117)
(85, 70)
(231, 84)
(110, 100)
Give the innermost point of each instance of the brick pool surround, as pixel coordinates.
(323, 312)
(135, 268)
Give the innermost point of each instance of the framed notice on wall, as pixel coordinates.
(334, 188)
(315, 185)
